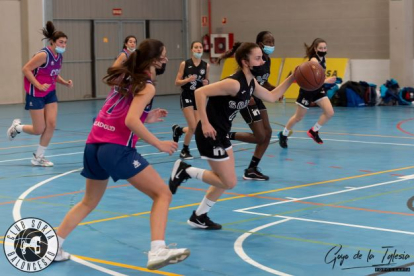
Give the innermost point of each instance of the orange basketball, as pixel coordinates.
(310, 75)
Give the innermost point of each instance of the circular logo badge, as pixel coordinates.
(410, 203)
(30, 244)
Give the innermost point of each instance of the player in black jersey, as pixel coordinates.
(255, 114)
(315, 52)
(225, 99)
(193, 74)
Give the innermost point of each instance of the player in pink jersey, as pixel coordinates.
(130, 44)
(110, 150)
(41, 74)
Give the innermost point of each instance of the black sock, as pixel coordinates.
(232, 135)
(185, 147)
(255, 162)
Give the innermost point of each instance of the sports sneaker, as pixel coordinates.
(203, 222)
(254, 174)
(282, 140)
(12, 131)
(165, 256)
(177, 132)
(315, 136)
(41, 161)
(62, 255)
(178, 175)
(185, 154)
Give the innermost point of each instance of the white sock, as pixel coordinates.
(195, 172)
(316, 127)
(19, 128)
(40, 151)
(285, 132)
(157, 244)
(61, 241)
(204, 206)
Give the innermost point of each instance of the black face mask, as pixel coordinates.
(255, 70)
(321, 54)
(161, 70)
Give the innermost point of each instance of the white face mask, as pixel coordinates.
(131, 49)
(60, 50)
(197, 55)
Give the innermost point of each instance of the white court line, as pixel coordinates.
(331, 223)
(327, 194)
(238, 247)
(81, 152)
(97, 267)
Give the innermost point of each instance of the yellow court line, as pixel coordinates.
(259, 193)
(126, 266)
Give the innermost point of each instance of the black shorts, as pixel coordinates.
(305, 98)
(187, 99)
(251, 113)
(215, 150)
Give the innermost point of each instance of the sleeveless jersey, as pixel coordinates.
(109, 125)
(322, 62)
(191, 69)
(263, 72)
(125, 52)
(221, 110)
(47, 73)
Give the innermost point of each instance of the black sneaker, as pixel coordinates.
(185, 154)
(203, 222)
(282, 140)
(177, 132)
(315, 136)
(254, 174)
(178, 175)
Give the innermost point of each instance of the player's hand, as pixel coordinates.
(330, 80)
(168, 147)
(205, 82)
(156, 115)
(69, 84)
(209, 131)
(44, 87)
(192, 78)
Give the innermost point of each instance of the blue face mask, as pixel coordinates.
(197, 55)
(60, 50)
(268, 50)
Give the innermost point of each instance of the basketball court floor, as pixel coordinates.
(341, 208)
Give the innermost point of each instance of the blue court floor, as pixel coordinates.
(341, 208)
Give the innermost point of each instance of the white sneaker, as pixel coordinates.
(165, 256)
(12, 131)
(62, 255)
(41, 161)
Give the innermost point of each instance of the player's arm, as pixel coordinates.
(38, 60)
(206, 79)
(68, 83)
(227, 87)
(179, 81)
(276, 93)
(133, 121)
(120, 59)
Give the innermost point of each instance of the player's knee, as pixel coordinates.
(230, 183)
(329, 114)
(38, 130)
(51, 125)
(89, 204)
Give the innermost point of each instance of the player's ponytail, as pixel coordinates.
(134, 73)
(229, 53)
(50, 33)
